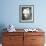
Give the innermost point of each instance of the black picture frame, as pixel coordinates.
(26, 13)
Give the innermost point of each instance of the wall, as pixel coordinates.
(10, 13)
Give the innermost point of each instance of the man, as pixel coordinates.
(26, 14)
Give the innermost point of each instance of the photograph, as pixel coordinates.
(26, 13)
(22, 22)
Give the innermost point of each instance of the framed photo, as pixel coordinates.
(26, 13)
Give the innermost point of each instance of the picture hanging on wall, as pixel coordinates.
(26, 13)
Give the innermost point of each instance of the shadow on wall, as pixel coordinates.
(2, 26)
